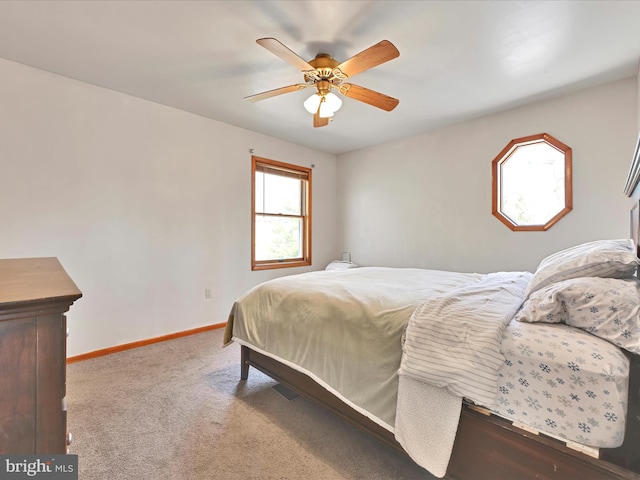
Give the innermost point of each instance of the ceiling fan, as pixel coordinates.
(324, 73)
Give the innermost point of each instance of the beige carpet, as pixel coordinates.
(178, 410)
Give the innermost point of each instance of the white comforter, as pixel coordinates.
(452, 350)
(343, 328)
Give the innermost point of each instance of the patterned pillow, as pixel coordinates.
(606, 307)
(602, 258)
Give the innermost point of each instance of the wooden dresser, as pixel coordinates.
(34, 295)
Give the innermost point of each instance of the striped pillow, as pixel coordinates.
(602, 258)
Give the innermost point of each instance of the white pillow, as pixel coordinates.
(602, 258)
(606, 307)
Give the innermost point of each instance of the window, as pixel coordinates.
(532, 187)
(281, 211)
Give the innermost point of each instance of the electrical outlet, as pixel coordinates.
(207, 294)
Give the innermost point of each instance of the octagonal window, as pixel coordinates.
(532, 183)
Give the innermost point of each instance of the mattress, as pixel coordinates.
(564, 382)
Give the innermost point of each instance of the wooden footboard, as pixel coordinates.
(486, 447)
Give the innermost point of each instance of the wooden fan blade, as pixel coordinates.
(369, 58)
(280, 50)
(368, 96)
(318, 121)
(275, 92)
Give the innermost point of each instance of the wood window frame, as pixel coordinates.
(505, 154)
(286, 169)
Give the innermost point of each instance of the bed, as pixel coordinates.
(563, 396)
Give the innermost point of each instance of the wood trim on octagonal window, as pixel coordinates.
(497, 182)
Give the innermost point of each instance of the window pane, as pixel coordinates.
(533, 184)
(278, 238)
(277, 194)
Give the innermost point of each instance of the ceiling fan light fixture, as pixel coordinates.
(325, 110)
(332, 102)
(328, 106)
(312, 103)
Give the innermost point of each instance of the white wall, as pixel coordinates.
(425, 201)
(144, 205)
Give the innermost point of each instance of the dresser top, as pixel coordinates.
(24, 280)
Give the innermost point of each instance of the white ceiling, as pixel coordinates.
(458, 59)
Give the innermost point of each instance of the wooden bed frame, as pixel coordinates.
(487, 446)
